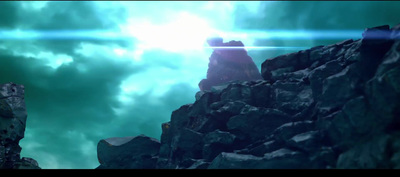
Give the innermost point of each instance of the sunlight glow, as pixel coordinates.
(188, 32)
(119, 51)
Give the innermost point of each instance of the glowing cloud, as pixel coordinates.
(186, 32)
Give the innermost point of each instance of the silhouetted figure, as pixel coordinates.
(228, 62)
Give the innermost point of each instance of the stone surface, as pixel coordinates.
(216, 142)
(367, 155)
(128, 152)
(234, 161)
(13, 117)
(335, 106)
(228, 62)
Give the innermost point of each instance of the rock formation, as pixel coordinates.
(228, 62)
(12, 128)
(335, 106)
(128, 152)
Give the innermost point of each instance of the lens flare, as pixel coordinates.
(174, 37)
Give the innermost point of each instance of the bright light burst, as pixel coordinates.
(187, 32)
(184, 32)
(179, 35)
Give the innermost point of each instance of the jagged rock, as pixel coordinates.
(352, 52)
(187, 144)
(379, 33)
(202, 105)
(188, 139)
(179, 118)
(205, 124)
(308, 141)
(335, 106)
(339, 88)
(28, 163)
(231, 108)
(217, 118)
(128, 152)
(256, 123)
(235, 161)
(288, 130)
(221, 87)
(319, 74)
(237, 92)
(193, 164)
(276, 68)
(228, 64)
(220, 113)
(322, 54)
(344, 45)
(186, 163)
(375, 45)
(383, 91)
(262, 94)
(12, 126)
(199, 94)
(355, 120)
(391, 60)
(323, 158)
(280, 159)
(341, 132)
(369, 155)
(291, 97)
(217, 142)
(284, 159)
(360, 116)
(166, 132)
(199, 165)
(219, 137)
(266, 147)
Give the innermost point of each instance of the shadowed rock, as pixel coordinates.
(334, 106)
(228, 62)
(13, 117)
(128, 152)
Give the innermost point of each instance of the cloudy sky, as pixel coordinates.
(97, 69)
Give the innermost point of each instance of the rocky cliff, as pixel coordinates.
(335, 106)
(12, 128)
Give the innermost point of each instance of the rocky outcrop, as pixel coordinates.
(12, 128)
(228, 62)
(138, 152)
(333, 106)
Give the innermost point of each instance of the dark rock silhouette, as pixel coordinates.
(128, 152)
(228, 62)
(12, 127)
(335, 106)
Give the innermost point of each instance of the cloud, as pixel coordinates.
(317, 15)
(62, 17)
(79, 91)
(8, 14)
(65, 99)
(75, 103)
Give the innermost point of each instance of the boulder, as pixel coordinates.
(139, 152)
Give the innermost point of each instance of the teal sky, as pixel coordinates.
(98, 69)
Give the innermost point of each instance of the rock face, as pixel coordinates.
(12, 127)
(228, 62)
(138, 152)
(335, 106)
